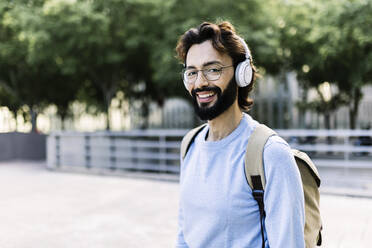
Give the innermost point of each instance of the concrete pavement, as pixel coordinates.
(49, 209)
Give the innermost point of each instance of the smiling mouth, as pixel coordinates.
(205, 97)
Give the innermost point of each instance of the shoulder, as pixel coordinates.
(278, 157)
(276, 144)
(189, 137)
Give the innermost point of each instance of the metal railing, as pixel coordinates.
(145, 150)
(158, 150)
(333, 148)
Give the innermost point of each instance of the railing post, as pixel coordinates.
(163, 151)
(58, 150)
(88, 158)
(347, 153)
(112, 152)
(134, 151)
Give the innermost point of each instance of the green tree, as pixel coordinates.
(11, 102)
(350, 55)
(63, 33)
(18, 77)
(106, 45)
(133, 29)
(253, 19)
(329, 42)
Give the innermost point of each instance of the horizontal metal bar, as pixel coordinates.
(181, 132)
(132, 133)
(149, 155)
(323, 132)
(147, 166)
(141, 166)
(138, 144)
(135, 155)
(343, 163)
(332, 148)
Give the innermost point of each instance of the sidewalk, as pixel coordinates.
(49, 209)
(346, 182)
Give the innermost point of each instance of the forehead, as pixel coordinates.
(200, 54)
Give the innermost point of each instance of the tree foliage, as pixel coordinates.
(57, 51)
(332, 44)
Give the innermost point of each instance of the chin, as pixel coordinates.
(221, 103)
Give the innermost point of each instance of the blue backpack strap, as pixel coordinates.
(258, 195)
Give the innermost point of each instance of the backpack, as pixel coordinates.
(255, 176)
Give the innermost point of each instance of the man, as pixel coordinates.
(217, 208)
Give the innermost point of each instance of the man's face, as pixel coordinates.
(211, 98)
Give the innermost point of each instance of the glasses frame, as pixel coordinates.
(204, 73)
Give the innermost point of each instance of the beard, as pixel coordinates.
(224, 100)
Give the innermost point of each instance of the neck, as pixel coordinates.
(225, 123)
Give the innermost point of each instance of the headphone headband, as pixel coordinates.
(246, 49)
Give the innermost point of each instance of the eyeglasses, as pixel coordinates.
(210, 73)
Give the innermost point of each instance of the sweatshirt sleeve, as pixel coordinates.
(180, 238)
(283, 197)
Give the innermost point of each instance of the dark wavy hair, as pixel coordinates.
(225, 40)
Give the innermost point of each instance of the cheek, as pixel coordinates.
(188, 88)
(222, 85)
(225, 81)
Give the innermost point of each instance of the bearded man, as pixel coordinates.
(217, 208)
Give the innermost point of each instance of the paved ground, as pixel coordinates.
(48, 209)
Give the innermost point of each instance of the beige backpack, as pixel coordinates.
(255, 176)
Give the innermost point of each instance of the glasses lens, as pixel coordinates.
(212, 73)
(189, 76)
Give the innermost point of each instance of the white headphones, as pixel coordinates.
(244, 71)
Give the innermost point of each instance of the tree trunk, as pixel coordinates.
(109, 94)
(33, 114)
(62, 112)
(327, 120)
(108, 86)
(63, 117)
(15, 118)
(107, 110)
(302, 112)
(354, 108)
(145, 114)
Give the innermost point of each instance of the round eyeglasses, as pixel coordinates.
(210, 73)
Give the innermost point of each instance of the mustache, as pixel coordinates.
(215, 89)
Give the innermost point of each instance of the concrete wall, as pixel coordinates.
(30, 146)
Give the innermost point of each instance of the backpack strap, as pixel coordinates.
(254, 171)
(254, 156)
(188, 139)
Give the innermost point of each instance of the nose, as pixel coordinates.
(200, 80)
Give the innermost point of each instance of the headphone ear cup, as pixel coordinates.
(243, 73)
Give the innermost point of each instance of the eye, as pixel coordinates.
(213, 70)
(191, 73)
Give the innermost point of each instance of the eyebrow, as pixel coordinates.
(205, 64)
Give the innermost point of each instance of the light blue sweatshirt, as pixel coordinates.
(217, 208)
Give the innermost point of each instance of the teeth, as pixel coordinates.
(205, 95)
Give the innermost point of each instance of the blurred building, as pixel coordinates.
(276, 102)
(175, 113)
